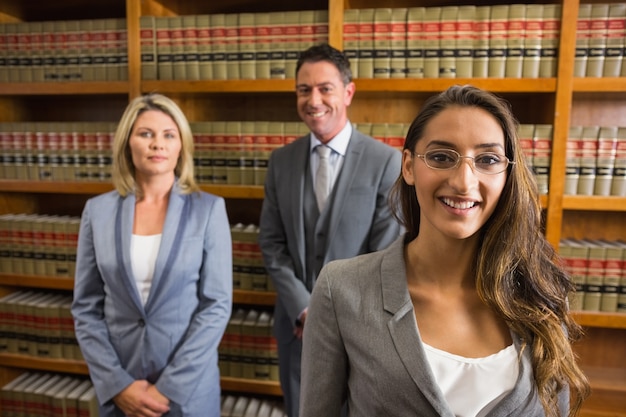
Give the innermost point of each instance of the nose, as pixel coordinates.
(315, 97)
(463, 177)
(157, 142)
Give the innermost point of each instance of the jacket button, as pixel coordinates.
(141, 323)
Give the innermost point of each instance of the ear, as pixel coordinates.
(407, 167)
(349, 93)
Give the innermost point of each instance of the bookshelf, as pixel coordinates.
(561, 101)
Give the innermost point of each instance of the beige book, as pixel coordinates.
(28, 244)
(247, 46)
(596, 258)
(121, 48)
(432, 47)
(57, 398)
(66, 153)
(218, 146)
(308, 37)
(4, 73)
(12, 51)
(86, 51)
(87, 403)
(35, 324)
(25, 406)
(578, 271)
(350, 38)
(516, 41)
(597, 39)
(236, 232)
(252, 409)
(190, 48)
(550, 40)
(164, 51)
(364, 127)
(277, 50)
(147, 45)
(218, 45)
(31, 152)
(248, 344)
(382, 42)
(36, 402)
(480, 63)
(7, 393)
(25, 52)
(177, 42)
(589, 154)
(73, 47)
(465, 22)
(6, 243)
(37, 51)
(263, 336)
(48, 246)
(7, 311)
(235, 353)
(274, 371)
(618, 186)
(532, 40)
(498, 35)
(15, 320)
(572, 160)
(447, 41)
(542, 152)
(69, 344)
(233, 152)
(50, 343)
(17, 247)
(613, 267)
(621, 297)
(248, 239)
(525, 133)
(366, 43)
(616, 26)
(275, 139)
(231, 41)
(261, 151)
(202, 152)
(239, 409)
(379, 132)
(398, 43)
(248, 133)
(320, 27)
(20, 151)
(396, 132)
(205, 56)
(263, 46)
(49, 52)
(227, 405)
(265, 408)
(112, 59)
(583, 31)
(60, 225)
(73, 228)
(24, 324)
(291, 41)
(605, 161)
(260, 278)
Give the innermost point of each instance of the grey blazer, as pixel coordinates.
(361, 342)
(360, 219)
(172, 340)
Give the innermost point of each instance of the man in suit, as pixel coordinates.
(301, 230)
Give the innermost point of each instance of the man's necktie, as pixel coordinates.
(322, 178)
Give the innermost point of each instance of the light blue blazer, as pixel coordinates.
(171, 341)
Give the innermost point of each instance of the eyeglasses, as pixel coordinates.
(445, 159)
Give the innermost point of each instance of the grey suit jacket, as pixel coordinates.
(360, 218)
(172, 340)
(361, 342)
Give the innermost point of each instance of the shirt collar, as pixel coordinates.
(339, 143)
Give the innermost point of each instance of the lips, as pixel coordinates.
(460, 205)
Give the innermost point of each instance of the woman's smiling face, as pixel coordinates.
(456, 202)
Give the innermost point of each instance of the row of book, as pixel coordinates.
(38, 244)
(64, 50)
(244, 406)
(248, 349)
(598, 268)
(47, 394)
(228, 46)
(39, 324)
(249, 271)
(596, 161)
(453, 41)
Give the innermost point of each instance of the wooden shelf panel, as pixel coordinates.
(600, 84)
(594, 203)
(64, 88)
(254, 297)
(435, 85)
(43, 364)
(220, 86)
(600, 319)
(35, 281)
(251, 386)
(75, 187)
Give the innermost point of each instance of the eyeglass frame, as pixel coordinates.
(460, 157)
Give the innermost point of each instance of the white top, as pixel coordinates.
(473, 386)
(143, 255)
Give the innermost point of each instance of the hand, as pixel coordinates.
(299, 329)
(141, 399)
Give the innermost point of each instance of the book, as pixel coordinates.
(308, 26)
(533, 32)
(578, 270)
(596, 259)
(615, 29)
(291, 41)
(516, 41)
(542, 152)
(480, 61)
(397, 43)
(22, 394)
(205, 56)
(613, 266)
(277, 51)
(231, 41)
(239, 408)
(7, 401)
(233, 152)
(37, 404)
(366, 43)
(263, 46)
(164, 51)
(618, 186)
(191, 51)
(382, 42)
(177, 44)
(605, 160)
(87, 403)
(252, 408)
(572, 160)
(247, 46)
(465, 41)
(588, 157)
(247, 140)
(248, 344)
(551, 18)
(415, 42)
(147, 45)
(351, 39)
(597, 39)
(29, 399)
(583, 27)
(57, 398)
(447, 41)
(86, 53)
(71, 407)
(498, 39)
(432, 51)
(218, 45)
(263, 336)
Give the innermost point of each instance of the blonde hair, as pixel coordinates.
(123, 169)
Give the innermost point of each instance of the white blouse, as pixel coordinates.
(143, 255)
(473, 386)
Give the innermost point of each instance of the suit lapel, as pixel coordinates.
(296, 188)
(403, 327)
(125, 215)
